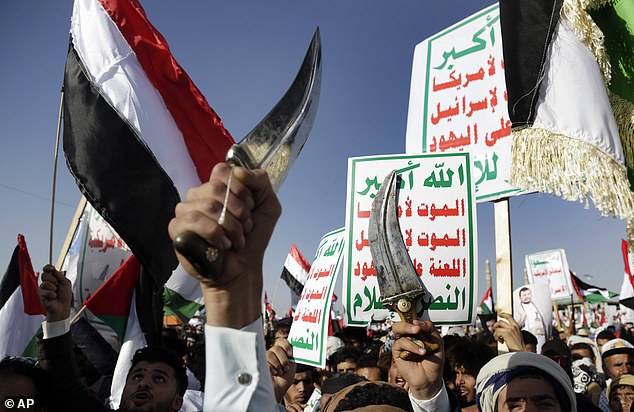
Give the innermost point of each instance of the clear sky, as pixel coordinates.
(243, 55)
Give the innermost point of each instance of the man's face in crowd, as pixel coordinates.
(601, 342)
(346, 366)
(370, 373)
(395, 378)
(490, 325)
(526, 296)
(621, 398)
(528, 394)
(618, 364)
(301, 389)
(151, 387)
(465, 385)
(581, 353)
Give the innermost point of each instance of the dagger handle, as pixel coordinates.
(204, 257)
(407, 312)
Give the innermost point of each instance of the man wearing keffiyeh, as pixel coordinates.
(525, 379)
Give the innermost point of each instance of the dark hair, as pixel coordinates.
(344, 354)
(375, 393)
(606, 334)
(338, 381)
(370, 360)
(16, 365)
(350, 333)
(472, 356)
(525, 288)
(155, 354)
(529, 338)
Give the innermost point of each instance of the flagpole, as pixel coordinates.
(59, 126)
(71, 232)
(77, 315)
(487, 271)
(503, 261)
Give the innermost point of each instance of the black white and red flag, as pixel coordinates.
(295, 271)
(137, 132)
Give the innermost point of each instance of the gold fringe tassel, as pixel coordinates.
(594, 4)
(624, 115)
(573, 12)
(571, 169)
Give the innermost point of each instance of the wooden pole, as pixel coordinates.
(503, 261)
(71, 233)
(59, 126)
(487, 271)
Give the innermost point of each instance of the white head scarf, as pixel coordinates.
(500, 370)
(598, 363)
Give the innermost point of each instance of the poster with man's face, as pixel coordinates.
(532, 309)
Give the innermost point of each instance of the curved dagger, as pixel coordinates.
(399, 284)
(273, 144)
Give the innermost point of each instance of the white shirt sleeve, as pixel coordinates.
(237, 374)
(55, 329)
(439, 403)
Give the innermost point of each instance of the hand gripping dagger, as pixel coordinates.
(273, 144)
(399, 284)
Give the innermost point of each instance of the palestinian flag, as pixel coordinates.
(295, 271)
(626, 297)
(21, 314)
(565, 137)
(137, 132)
(486, 305)
(111, 302)
(182, 295)
(590, 293)
(134, 339)
(116, 302)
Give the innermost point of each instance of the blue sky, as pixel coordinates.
(243, 55)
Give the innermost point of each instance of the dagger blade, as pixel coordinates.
(395, 272)
(273, 144)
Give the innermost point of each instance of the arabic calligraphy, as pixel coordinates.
(478, 43)
(372, 302)
(311, 343)
(450, 302)
(440, 180)
(446, 270)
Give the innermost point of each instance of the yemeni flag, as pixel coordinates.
(295, 271)
(21, 314)
(137, 132)
(565, 137)
(486, 305)
(626, 297)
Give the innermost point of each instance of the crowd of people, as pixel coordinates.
(234, 366)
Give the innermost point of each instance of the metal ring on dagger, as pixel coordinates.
(211, 254)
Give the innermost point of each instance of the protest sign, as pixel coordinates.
(437, 216)
(550, 268)
(458, 100)
(309, 330)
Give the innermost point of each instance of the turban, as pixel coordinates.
(502, 369)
